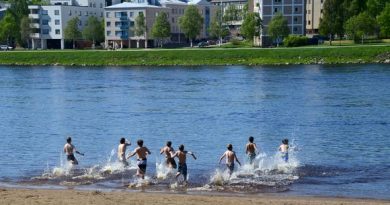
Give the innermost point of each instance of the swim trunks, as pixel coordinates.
(251, 157)
(71, 157)
(285, 156)
(142, 164)
(182, 169)
(230, 167)
(172, 162)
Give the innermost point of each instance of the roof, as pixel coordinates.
(126, 5)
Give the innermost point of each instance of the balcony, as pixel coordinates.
(35, 35)
(33, 16)
(123, 18)
(35, 25)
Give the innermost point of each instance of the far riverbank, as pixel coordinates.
(205, 56)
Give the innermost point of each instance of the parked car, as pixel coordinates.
(202, 44)
(5, 47)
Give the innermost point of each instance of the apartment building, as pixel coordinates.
(3, 9)
(292, 10)
(120, 21)
(49, 22)
(239, 5)
(313, 16)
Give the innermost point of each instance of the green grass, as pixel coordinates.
(207, 56)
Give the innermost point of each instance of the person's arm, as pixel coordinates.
(246, 150)
(65, 149)
(174, 155)
(148, 151)
(256, 150)
(77, 152)
(192, 154)
(162, 151)
(235, 156)
(132, 154)
(220, 159)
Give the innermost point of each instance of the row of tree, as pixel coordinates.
(356, 18)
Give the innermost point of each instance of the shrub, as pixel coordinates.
(294, 41)
(235, 41)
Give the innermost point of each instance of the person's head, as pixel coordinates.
(229, 147)
(69, 140)
(140, 143)
(123, 140)
(285, 141)
(169, 143)
(251, 139)
(181, 147)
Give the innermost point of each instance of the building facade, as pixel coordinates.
(49, 22)
(292, 10)
(222, 5)
(314, 14)
(120, 21)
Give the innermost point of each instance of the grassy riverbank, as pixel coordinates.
(206, 56)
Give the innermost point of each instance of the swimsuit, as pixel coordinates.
(171, 161)
(230, 167)
(142, 164)
(71, 157)
(285, 156)
(251, 157)
(182, 169)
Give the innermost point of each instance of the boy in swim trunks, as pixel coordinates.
(283, 148)
(251, 150)
(169, 151)
(141, 152)
(70, 149)
(230, 157)
(182, 156)
(122, 151)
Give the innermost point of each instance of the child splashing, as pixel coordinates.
(283, 148)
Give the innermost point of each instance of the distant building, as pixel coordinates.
(120, 21)
(49, 22)
(292, 10)
(314, 14)
(3, 9)
(239, 5)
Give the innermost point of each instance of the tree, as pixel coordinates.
(161, 28)
(278, 28)
(140, 27)
(8, 26)
(384, 21)
(93, 31)
(217, 29)
(332, 22)
(251, 25)
(39, 2)
(360, 25)
(375, 7)
(231, 14)
(191, 22)
(72, 31)
(19, 9)
(25, 30)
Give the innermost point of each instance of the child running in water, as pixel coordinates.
(181, 154)
(283, 148)
(141, 152)
(122, 151)
(230, 157)
(251, 150)
(169, 151)
(70, 149)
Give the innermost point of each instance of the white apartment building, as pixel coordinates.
(49, 22)
(314, 14)
(120, 21)
(222, 5)
(292, 10)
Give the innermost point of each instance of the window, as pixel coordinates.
(57, 22)
(107, 14)
(173, 20)
(56, 12)
(108, 33)
(296, 9)
(45, 31)
(321, 10)
(58, 32)
(80, 23)
(101, 5)
(278, 1)
(140, 13)
(131, 14)
(45, 22)
(276, 10)
(309, 22)
(295, 29)
(80, 13)
(70, 13)
(86, 13)
(108, 24)
(295, 19)
(44, 12)
(131, 23)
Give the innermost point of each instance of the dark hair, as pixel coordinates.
(140, 143)
(285, 141)
(230, 147)
(251, 139)
(181, 147)
(123, 140)
(69, 140)
(169, 143)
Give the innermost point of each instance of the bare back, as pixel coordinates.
(121, 150)
(283, 148)
(182, 155)
(230, 157)
(69, 149)
(168, 151)
(142, 152)
(250, 148)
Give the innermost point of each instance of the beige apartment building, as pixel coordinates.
(292, 10)
(313, 16)
(120, 21)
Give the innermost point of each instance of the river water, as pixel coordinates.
(336, 118)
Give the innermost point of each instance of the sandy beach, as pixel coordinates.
(63, 197)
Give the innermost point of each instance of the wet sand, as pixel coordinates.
(72, 197)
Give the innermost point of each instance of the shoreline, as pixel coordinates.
(46, 196)
(201, 57)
